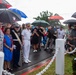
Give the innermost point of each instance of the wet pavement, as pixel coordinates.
(36, 59)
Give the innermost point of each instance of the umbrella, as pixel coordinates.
(70, 21)
(56, 17)
(7, 16)
(19, 12)
(74, 15)
(40, 23)
(3, 5)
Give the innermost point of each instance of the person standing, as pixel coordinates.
(68, 31)
(35, 39)
(16, 35)
(7, 49)
(26, 36)
(60, 33)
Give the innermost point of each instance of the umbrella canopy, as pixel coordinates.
(19, 12)
(3, 5)
(56, 17)
(74, 15)
(40, 23)
(8, 16)
(70, 21)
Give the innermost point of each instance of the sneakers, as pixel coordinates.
(34, 50)
(5, 72)
(28, 61)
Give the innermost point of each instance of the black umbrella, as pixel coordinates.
(40, 23)
(7, 16)
(2, 5)
(74, 15)
(70, 21)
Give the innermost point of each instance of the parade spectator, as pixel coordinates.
(70, 43)
(16, 35)
(60, 33)
(23, 26)
(7, 49)
(73, 34)
(41, 34)
(50, 34)
(35, 39)
(68, 31)
(26, 37)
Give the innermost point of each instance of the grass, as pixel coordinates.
(51, 70)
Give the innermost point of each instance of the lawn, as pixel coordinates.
(51, 70)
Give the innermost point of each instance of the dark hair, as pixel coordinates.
(23, 26)
(6, 29)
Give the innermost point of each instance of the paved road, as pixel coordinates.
(36, 58)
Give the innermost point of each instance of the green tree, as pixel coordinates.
(44, 16)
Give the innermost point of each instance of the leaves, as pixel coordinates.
(44, 16)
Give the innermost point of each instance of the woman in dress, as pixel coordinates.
(35, 39)
(8, 49)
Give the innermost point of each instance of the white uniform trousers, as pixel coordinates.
(26, 50)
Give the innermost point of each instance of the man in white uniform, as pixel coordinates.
(60, 33)
(26, 34)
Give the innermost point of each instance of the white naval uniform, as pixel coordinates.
(26, 34)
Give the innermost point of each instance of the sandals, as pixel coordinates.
(9, 69)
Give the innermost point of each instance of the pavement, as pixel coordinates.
(36, 58)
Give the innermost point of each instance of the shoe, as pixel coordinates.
(26, 62)
(45, 49)
(35, 51)
(15, 66)
(29, 61)
(9, 69)
(18, 65)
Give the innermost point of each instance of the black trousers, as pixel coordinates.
(16, 56)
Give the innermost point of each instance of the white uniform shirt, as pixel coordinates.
(61, 33)
(1, 40)
(26, 34)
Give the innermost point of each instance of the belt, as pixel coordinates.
(15, 39)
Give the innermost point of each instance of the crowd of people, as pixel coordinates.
(14, 37)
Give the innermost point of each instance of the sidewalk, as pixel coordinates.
(36, 58)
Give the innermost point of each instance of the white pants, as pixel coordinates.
(26, 50)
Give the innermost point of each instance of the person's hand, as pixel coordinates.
(11, 49)
(73, 46)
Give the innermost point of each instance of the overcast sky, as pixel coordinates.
(32, 8)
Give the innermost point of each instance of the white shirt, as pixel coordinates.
(26, 34)
(61, 33)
